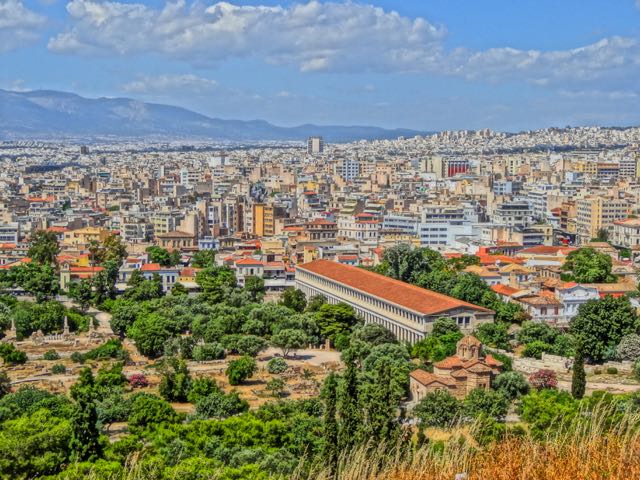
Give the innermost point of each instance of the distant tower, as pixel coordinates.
(315, 145)
(84, 150)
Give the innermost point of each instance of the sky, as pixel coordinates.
(430, 65)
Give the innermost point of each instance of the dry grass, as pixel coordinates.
(587, 452)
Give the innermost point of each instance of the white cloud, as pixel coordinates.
(168, 83)
(330, 37)
(18, 25)
(314, 36)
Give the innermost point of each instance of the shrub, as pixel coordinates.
(77, 357)
(208, 351)
(535, 349)
(438, 409)
(277, 365)
(138, 380)
(51, 355)
(511, 384)
(10, 354)
(629, 347)
(110, 349)
(544, 379)
(597, 371)
(58, 369)
(241, 369)
(612, 370)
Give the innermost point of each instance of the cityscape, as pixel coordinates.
(188, 291)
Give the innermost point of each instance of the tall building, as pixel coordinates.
(597, 213)
(445, 167)
(315, 145)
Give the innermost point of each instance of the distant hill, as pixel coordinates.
(46, 114)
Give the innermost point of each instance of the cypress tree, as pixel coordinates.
(330, 449)
(579, 378)
(349, 413)
(85, 435)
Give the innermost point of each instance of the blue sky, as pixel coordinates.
(424, 64)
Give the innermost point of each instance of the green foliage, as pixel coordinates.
(162, 256)
(294, 299)
(486, 403)
(277, 365)
(58, 369)
(601, 324)
(112, 348)
(239, 370)
(11, 355)
(176, 381)
(220, 405)
(44, 248)
(512, 385)
(334, 319)
(254, 286)
(216, 283)
(438, 409)
(200, 388)
(5, 384)
(28, 400)
(536, 349)
(494, 334)
(204, 259)
(250, 345)
(507, 362)
(149, 411)
(579, 377)
(276, 386)
(330, 448)
(629, 347)
(208, 351)
(636, 369)
(290, 339)
(34, 445)
(51, 355)
(315, 302)
(151, 332)
(547, 408)
(82, 293)
(440, 344)
(587, 265)
(179, 289)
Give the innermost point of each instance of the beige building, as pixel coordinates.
(406, 310)
(595, 213)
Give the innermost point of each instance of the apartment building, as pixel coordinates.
(596, 213)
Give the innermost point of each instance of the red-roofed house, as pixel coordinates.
(467, 370)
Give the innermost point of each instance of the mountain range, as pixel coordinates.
(51, 115)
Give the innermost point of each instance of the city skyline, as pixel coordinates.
(421, 65)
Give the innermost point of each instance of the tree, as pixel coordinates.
(203, 259)
(536, 349)
(44, 248)
(150, 332)
(219, 405)
(290, 339)
(85, 443)
(373, 334)
(254, 286)
(335, 318)
(149, 410)
(276, 387)
(176, 381)
(330, 448)
(179, 289)
(629, 347)
(5, 384)
(443, 326)
(208, 351)
(587, 265)
(601, 324)
(82, 293)
(489, 403)
(534, 331)
(511, 384)
(160, 255)
(438, 409)
(494, 334)
(546, 408)
(216, 283)
(135, 279)
(40, 280)
(239, 370)
(277, 365)
(543, 379)
(315, 302)
(294, 299)
(349, 407)
(579, 377)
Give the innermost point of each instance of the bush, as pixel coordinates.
(544, 379)
(241, 369)
(597, 371)
(51, 355)
(612, 371)
(138, 380)
(629, 347)
(277, 365)
(536, 349)
(511, 384)
(438, 409)
(11, 355)
(58, 369)
(110, 349)
(77, 357)
(208, 351)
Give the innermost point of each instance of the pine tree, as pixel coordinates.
(579, 379)
(349, 412)
(330, 450)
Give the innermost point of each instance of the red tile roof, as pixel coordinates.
(547, 250)
(504, 289)
(426, 378)
(150, 267)
(400, 293)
